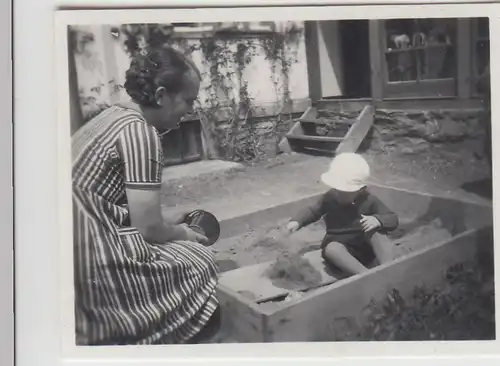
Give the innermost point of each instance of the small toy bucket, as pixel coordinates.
(204, 223)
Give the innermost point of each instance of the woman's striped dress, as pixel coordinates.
(128, 291)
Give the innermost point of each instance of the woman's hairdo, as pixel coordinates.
(163, 67)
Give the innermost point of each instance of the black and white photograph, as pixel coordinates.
(280, 181)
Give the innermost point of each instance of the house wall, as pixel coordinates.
(104, 59)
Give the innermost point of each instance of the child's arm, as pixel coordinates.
(310, 214)
(388, 219)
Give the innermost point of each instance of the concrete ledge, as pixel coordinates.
(198, 169)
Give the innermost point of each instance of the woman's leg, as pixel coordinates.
(338, 255)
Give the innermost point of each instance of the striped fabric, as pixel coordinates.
(128, 291)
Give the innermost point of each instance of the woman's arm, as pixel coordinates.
(145, 215)
(140, 149)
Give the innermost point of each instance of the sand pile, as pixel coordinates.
(292, 272)
(270, 244)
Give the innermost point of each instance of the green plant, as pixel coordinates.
(462, 309)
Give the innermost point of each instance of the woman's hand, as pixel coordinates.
(176, 218)
(369, 223)
(194, 236)
(292, 227)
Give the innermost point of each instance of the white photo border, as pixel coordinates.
(177, 354)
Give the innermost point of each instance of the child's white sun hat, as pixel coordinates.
(348, 172)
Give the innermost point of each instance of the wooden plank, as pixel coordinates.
(317, 150)
(297, 129)
(332, 310)
(310, 114)
(312, 57)
(464, 59)
(337, 122)
(240, 318)
(358, 131)
(376, 58)
(327, 146)
(412, 103)
(424, 88)
(284, 144)
(252, 283)
(315, 138)
(342, 105)
(401, 102)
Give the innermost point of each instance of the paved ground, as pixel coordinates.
(290, 177)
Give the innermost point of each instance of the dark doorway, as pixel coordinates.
(355, 44)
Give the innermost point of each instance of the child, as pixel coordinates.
(355, 219)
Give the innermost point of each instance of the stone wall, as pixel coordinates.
(414, 132)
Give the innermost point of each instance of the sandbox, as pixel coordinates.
(435, 233)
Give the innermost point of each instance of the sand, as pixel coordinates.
(293, 272)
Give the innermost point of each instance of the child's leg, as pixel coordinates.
(337, 254)
(382, 247)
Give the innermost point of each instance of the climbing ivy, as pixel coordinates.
(227, 110)
(241, 139)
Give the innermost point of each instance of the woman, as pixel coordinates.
(140, 278)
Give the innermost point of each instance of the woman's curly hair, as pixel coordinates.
(164, 67)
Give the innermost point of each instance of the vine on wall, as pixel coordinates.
(227, 110)
(92, 100)
(241, 138)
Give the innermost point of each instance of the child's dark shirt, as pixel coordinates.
(343, 222)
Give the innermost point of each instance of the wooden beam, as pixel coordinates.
(342, 105)
(423, 103)
(376, 58)
(309, 114)
(315, 138)
(250, 324)
(464, 58)
(358, 131)
(284, 144)
(312, 57)
(439, 88)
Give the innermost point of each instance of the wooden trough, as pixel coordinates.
(333, 307)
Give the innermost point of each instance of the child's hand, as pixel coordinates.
(369, 223)
(292, 227)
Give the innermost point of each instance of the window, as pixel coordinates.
(184, 144)
(420, 49)
(480, 47)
